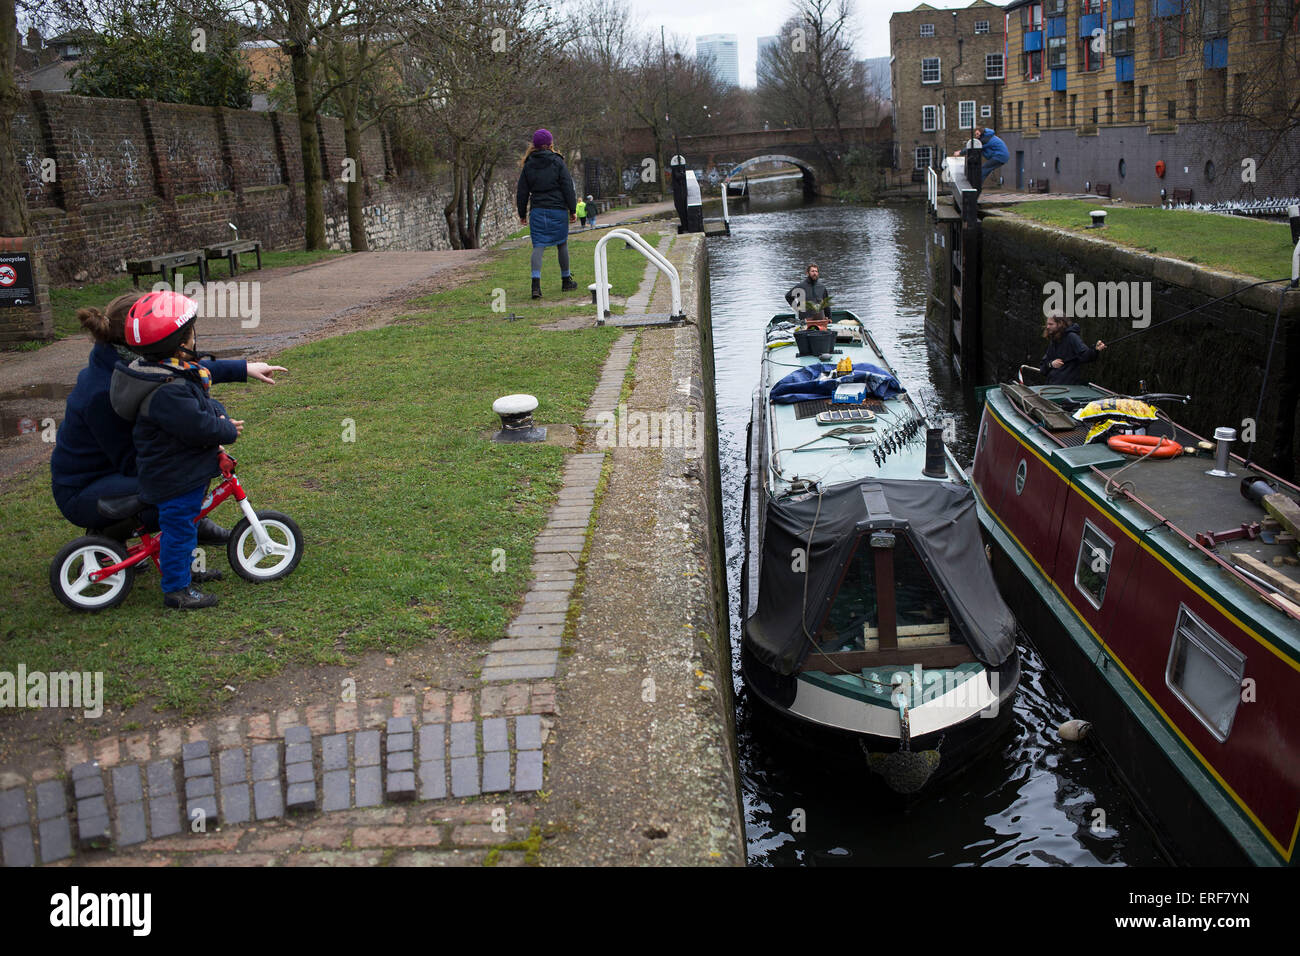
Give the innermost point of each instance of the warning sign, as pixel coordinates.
(16, 284)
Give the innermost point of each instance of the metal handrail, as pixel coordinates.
(932, 188)
(651, 253)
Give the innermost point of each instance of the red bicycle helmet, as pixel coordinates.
(158, 322)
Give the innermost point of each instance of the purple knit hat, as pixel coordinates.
(542, 138)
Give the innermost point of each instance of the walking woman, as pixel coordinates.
(545, 184)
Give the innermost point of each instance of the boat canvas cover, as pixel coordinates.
(938, 517)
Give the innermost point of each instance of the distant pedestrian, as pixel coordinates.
(582, 213)
(546, 186)
(591, 212)
(1066, 353)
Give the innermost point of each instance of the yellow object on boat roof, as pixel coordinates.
(1129, 408)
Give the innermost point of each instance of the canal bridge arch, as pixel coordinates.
(811, 175)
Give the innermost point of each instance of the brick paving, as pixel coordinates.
(360, 779)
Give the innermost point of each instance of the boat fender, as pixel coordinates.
(1074, 729)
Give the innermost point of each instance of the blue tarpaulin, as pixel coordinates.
(802, 384)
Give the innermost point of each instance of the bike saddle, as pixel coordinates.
(120, 507)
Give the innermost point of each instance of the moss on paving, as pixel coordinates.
(1246, 246)
(400, 524)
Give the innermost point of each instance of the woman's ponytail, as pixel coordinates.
(109, 326)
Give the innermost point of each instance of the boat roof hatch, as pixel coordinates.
(878, 514)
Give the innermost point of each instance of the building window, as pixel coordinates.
(1191, 99)
(1110, 105)
(1031, 17)
(1205, 672)
(1054, 8)
(1168, 36)
(981, 26)
(929, 119)
(922, 157)
(986, 112)
(1087, 7)
(930, 70)
(994, 67)
(966, 114)
(1214, 18)
(1142, 104)
(1089, 56)
(1270, 19)
(1020, 114)
(1121, 37)
(1056, 55)
(1093, 566)
(1031, 65)
(927, 29)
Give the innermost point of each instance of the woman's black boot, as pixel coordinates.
(537, 288)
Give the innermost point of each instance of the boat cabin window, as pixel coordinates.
(1090, 574)
(1205, 673)
(919, 611)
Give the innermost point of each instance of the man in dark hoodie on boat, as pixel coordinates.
(810, 293)
(1066, 353)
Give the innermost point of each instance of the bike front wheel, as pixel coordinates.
(71, 568)
(269, 559)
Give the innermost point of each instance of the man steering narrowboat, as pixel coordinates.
(811, 294)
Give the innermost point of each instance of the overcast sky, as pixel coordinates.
(755, 18)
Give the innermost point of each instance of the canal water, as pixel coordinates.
(1033, 800)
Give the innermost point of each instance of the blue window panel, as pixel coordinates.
(1089, 23)
(1216, 53)
(1168, 8)
(1123, 68)
(1058, 79)
(1122, 9)
(1033, 41)
(1057, 27)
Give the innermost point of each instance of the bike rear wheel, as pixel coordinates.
(71, 567)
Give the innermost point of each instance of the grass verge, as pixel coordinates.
(402, 523)
(1237, 244)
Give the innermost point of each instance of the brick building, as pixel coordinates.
(947, 69)
(1099, 91)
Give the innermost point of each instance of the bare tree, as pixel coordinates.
(13, 198)
(812, 77)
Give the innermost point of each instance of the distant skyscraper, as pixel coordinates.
(723, 49)
(765, 44)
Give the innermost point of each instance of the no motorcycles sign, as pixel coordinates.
(16, 284)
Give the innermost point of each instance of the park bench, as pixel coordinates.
(1042, 185)
(230, 251)
(1182, 195)
(1102, 189)
(166, 264)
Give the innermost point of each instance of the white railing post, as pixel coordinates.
(651, 253)
(725, 185)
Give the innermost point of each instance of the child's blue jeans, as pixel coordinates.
(180, 536)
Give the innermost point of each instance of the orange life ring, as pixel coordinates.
(1160, 168)
(1142, 444)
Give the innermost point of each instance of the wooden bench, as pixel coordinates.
(1102, 189)
(230, 251)
(1042, 185)
(166, 264)
(1182, 195)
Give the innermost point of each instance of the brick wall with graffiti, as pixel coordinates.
(110, 180)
